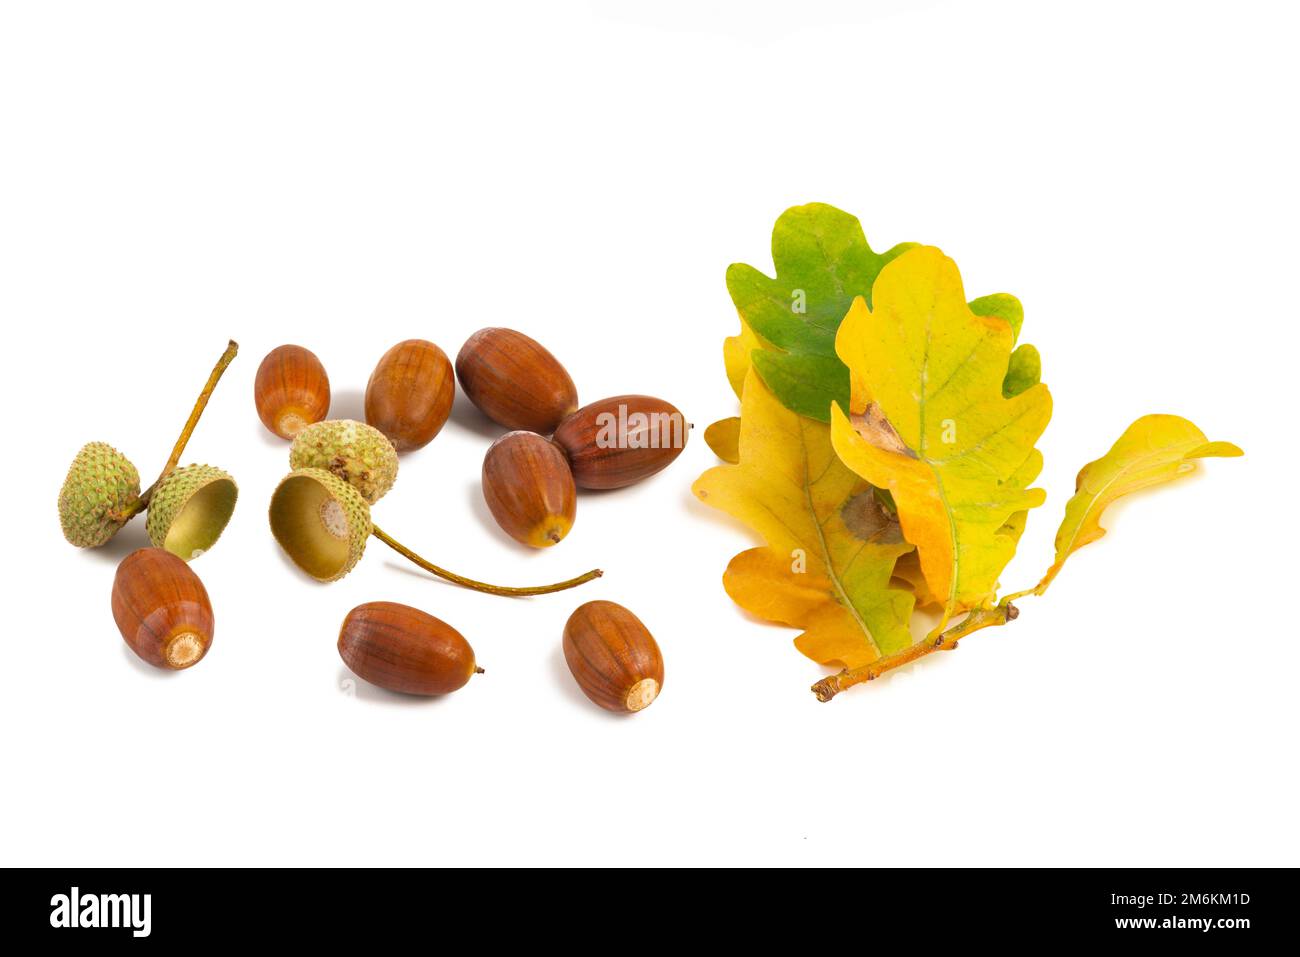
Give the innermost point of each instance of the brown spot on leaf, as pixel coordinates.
(872, 425)
(864, 516)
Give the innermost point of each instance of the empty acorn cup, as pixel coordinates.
(162, 609)
(190, 509)
(321, 522)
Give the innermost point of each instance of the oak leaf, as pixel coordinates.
(822, 262)
(723, 437)
(830, 549)
(789, 322)
(1154, 450)
(928, 421)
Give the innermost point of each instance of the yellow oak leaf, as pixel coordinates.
(736, 352)
(929, 422)
(908, 570)
(830, 549)
(723, 437)
(1154, 450)
(907, 574)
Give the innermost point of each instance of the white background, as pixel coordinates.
(349, 175)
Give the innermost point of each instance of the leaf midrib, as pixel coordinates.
(923, 401)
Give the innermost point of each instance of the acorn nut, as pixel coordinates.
(410, 393)
(613, 657)
(291, 390)
(515, 381)
(406, 650)
(529, 489)
(621, 440)
(162, 609)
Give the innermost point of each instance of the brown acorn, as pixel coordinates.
(162, 609)
(515, 381)
(529, 489)
(291, 390)
(404, 649)
(410, 393)
(613, 657)
(620, 440)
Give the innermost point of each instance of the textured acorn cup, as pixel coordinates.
(406, 650)
(162, 609)
(613, 657)
(515, 381)
(190, 509)
(98, 495)
(321, 522)
(409, 395)
(355, 452)
(291, 390)
(617, 441)
(529, 489)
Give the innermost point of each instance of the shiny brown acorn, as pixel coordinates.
(291, 390)
(515, 381)
(620, 440)
(162, 609)
(409, 395)
(406, 650)
(613, 657)
(529, 489)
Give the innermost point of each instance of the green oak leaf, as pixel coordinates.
(823, 262)
(1026, 366)
(1004, 306)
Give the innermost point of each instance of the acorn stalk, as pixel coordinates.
(323, 523)
(503, 590)
(201, 403)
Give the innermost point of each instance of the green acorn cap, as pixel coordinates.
(321, 522)
(357, 453)
(101, 484)
(190, 509)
